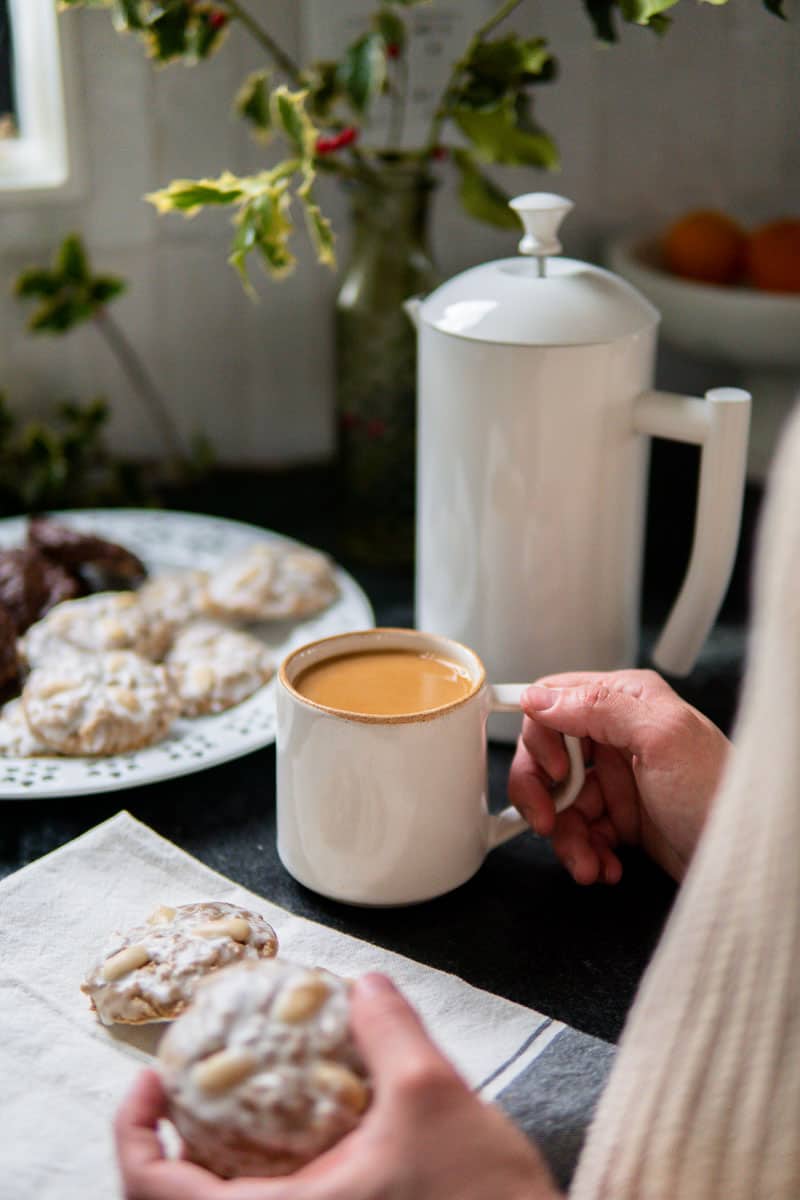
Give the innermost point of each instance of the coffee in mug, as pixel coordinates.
(381, 766)
(385, 683)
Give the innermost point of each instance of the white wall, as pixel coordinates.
(709, 115)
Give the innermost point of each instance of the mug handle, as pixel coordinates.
(505, 697)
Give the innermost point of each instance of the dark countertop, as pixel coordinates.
(520, 927)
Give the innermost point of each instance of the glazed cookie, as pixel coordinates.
(213, 668)
(99, 703)
(105, 621)
(266, 582)
(262, 1072)
(16, 737)
(177, 597)
(151, 973)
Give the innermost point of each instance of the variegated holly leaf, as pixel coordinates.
(252, 103)
(170, 29)
(362, 71)
(289, 112)
(480, 196)
(189, 196)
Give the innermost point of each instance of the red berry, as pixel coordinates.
(439, 152)
(393, 50)
(349, 420)
(337, 141)
(217, 19)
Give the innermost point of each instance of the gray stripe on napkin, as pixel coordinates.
(554, 1098)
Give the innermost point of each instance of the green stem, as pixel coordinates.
(397, 115)
(265, 39)
(141, 381)
(440, 112)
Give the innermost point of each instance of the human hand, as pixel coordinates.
(656, 763)
(426, 1136)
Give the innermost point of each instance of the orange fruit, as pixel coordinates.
(773, 256)
(707, 246)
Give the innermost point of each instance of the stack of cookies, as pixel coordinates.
(109, 673)
(260, 1068)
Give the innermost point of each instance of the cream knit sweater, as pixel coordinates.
(704, 1099)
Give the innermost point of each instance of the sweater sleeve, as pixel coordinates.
(703, 1102)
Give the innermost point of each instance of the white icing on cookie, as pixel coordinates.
(213, 667)
(16, 737)
(151, 972)
(99, 703)
(176, 597)
(267, 582)
(104, 621)
(262, 1072)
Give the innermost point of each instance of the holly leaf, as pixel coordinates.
(263, 225)
(105, 288)
(498, 136)
(36, 281)
(362, 72)
(510, 60)
(480, 197)
(319, 227)
(71, 262)
(321, 81)
(775, 7)
(645, 12)
(288, 111)
(252, 103)
(190, 195)
(601, 14)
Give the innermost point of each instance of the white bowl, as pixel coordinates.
(734, 324)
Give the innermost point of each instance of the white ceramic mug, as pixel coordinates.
(383, 810)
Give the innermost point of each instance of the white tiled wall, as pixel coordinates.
(709, 115)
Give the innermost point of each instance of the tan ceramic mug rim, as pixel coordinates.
(462, 654)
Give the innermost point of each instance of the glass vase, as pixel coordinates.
(376, 363)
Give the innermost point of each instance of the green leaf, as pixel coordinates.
(391, 28)
(203, 37)
(288, 110)
(71, 262)
(320, 230)
(59, 314)
(321, 81)
(601, 14)
(510, 60)
(642, 12)
(190, 195)
(252, 103)
(36, 281)
(498, 137)
(126, 15)
(105, 288)
(166, 34)
(775, 7)
(263, 225)
(481, 197)
(362, 72)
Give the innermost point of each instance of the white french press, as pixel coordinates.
(535, 414)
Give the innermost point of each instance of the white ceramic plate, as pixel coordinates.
(165, 541)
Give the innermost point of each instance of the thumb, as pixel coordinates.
(390, 1034)
(598, 710)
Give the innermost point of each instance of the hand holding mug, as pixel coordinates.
(381, 766)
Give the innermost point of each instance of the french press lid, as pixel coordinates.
(538, 299)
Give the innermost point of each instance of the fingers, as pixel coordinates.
(528, 792)
(392, 1037)
(604, 710)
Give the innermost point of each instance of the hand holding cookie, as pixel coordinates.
(424, 1135)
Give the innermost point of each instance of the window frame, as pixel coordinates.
(40, 162)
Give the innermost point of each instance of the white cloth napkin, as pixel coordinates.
(63, 1073)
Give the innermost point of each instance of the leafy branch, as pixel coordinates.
(322, 109)
(67, 294)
